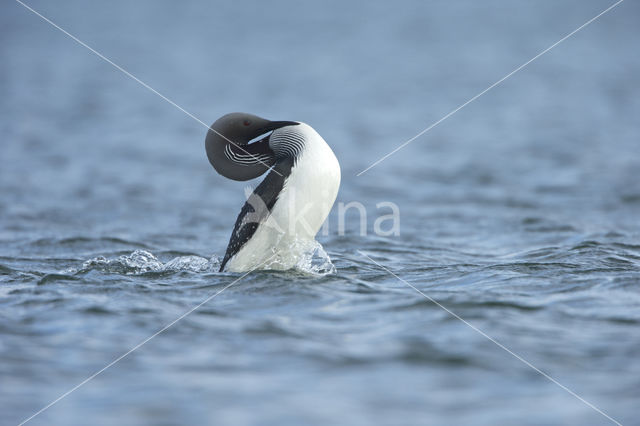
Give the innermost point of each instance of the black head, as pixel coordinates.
(229, 150)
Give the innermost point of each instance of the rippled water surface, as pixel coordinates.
(520, 214)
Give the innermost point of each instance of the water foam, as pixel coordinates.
(314, 260)
(308, 257)
(142, 261)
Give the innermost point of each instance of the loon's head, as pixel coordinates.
(229, 150)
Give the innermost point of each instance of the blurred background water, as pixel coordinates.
(520, 213)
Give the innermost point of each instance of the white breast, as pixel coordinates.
(302, 207)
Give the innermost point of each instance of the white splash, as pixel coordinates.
(141, 261)
(305, 256)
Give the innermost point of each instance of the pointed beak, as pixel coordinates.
(273, 125)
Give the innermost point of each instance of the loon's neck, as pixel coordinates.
(311, 187)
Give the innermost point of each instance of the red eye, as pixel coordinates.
(246, 122)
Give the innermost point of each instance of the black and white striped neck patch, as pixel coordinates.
(287, 142)
(246, 155)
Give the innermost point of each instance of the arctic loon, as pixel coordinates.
(287, 209)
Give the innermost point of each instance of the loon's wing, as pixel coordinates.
(257, 208)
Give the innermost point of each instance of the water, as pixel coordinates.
(520, 214)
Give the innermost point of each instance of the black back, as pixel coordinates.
(256, 210)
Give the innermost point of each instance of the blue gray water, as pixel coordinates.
(520, 214)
